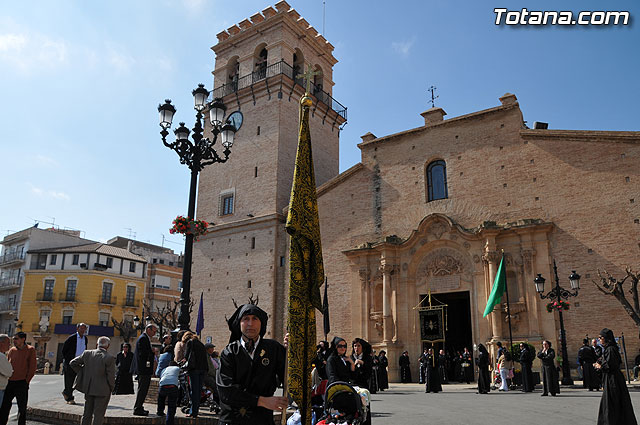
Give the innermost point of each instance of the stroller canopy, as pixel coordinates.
(343, 402)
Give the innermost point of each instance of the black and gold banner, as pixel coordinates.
(306, 270)
(432, 325)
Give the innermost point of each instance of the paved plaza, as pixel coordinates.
(407, 404)
(459, 404)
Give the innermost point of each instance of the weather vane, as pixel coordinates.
(432, 90)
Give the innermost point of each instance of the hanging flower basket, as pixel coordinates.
(558, 305)
(188, 226)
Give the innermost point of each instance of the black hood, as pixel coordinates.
(608, 336)
(243, 310)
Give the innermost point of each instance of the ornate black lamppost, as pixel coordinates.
(196, 155)
(556, 294)
(139, 326)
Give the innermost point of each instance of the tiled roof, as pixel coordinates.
(98, 247)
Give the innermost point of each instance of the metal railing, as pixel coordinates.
(278, 68)
(67, 297)
(131, 302)
(8, 306)
(11, 257)
(9, 281)
(109, 300)
(45, 296)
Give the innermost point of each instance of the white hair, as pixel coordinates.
(104, 342)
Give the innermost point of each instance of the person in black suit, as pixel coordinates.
(142, 365)
(73, 347)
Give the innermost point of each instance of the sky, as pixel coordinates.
(80, 83)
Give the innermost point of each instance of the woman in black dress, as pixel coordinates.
(124, 379)
(339, 365)
(550, 382)
(363, 362)
(484, 378)
(405, 369)
(615, 404)
(383, 377)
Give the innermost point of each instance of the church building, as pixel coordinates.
(423, 219)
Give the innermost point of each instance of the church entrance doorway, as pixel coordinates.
(458, 334)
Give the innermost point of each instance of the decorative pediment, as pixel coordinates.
(443, 262)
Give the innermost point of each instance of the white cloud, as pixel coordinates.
(193, 5)
(120, 60)
(31, 52)
(403, 47)
(48, 194)
(12, 42)
(45, 160)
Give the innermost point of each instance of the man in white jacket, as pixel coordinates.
(6, 370)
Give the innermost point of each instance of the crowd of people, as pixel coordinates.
(247, 373)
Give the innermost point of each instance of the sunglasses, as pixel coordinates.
(341, 345)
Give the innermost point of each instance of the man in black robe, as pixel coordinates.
(432, 375)
(597, 348)
(405, 368)
(586, 358)
(526, 359)
(442, 368)
(549, 372)
(615, 405)
(422, 360)
(251, 368)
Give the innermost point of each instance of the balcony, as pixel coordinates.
(65, 297)
(45, 297)
(8, 307)
(10, 282)
(11, 257)
(131, 303)
(107, 300)
(278, 68)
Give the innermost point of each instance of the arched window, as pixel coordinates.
(233, 71)
(261, 64)
(317, 80)
(298, 67)
(437, 180)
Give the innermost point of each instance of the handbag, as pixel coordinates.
(510, 376)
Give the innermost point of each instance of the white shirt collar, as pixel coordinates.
(244, 345)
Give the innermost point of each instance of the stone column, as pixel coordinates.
(491, 258)
(387, 320)
(528, 255)
(364, 287)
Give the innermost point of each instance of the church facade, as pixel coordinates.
(426, 215)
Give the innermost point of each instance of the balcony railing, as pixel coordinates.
(11, 257)
(108, 300)
(10, 282)
(278, 68)
(8, 307)
(45, 296)
(131, 302)
(67, 297)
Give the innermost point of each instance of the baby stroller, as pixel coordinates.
(317, 400)
(207, 397)
(343, 405)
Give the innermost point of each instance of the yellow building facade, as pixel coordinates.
(90, 284)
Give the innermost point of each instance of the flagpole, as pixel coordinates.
(285, 385)
(506, 290)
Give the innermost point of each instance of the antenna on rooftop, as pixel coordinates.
(132, 234)
(432, 90)
(323, 19)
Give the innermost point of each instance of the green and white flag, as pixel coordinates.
(499, 285)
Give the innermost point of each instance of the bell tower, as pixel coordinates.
(257, 67)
